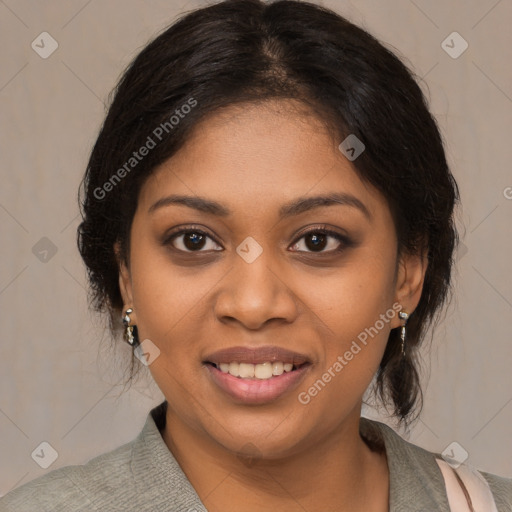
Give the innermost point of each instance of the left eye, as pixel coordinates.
(318, 240)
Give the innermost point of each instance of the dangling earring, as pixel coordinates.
(130, 333)
(403, 316)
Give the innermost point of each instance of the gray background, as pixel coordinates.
(59, 378)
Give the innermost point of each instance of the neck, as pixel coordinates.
(338, 473)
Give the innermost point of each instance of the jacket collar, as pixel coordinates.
(416, 483)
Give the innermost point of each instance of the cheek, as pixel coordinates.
(353, 297)
(355, 307)
(170, 300)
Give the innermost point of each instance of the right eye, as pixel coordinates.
(190, 240)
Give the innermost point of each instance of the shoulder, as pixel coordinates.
(415, 472)
(139, 476)
(74, 488)
(501, 488)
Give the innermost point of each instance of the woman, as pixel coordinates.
(269, 211)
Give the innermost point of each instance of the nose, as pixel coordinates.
(256, 293)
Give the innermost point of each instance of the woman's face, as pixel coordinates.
(264, 275)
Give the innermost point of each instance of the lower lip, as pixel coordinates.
(257, 391)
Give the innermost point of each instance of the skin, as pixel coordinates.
(252, 160)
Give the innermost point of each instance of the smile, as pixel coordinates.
(265, 370)
(257, 383)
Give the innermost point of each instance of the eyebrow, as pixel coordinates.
(295, 207)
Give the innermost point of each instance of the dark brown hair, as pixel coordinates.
(250, 51)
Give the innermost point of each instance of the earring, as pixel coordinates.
(403, 316)
(130, 333)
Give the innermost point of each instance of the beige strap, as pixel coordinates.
(466, 488)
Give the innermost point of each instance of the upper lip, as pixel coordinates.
(256, 355)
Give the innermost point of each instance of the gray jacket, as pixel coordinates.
(144, 476)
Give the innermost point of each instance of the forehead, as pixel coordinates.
(255, 157)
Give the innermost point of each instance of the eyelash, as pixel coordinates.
(345, 242)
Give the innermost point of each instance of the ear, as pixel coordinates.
(125, 281)
(409, 283)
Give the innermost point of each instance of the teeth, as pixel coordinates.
(260, 371)
(246, 371)
(277, 368)
(233, 369)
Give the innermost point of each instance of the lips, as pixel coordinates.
(257, 355)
